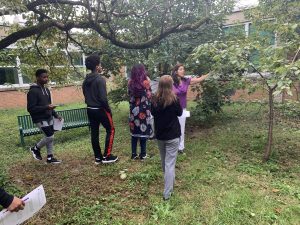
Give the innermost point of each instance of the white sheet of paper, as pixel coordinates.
(34, 201)
(58, 124)
(187, 113)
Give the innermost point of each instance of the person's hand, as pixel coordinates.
(59, 117)
(51, 106)
(16, 205)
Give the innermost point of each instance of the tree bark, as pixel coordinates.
(268, 148)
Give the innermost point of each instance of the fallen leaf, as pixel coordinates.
(275, 190)
(278, 210)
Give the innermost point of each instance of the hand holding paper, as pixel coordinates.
(34, 201)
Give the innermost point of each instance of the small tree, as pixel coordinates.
(276, 65)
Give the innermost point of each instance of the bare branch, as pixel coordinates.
(38, 49)
(295, 57)
(77, 43)
(69, 54)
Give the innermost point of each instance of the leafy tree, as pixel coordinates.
(109, 28)
(276, 65)
(134, 24)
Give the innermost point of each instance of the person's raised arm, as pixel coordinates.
(196, 80)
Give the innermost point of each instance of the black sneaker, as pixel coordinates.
(134, 156)
(36, 153)
(98, 161)
(52, 160)
(110, 159)
(142, 157)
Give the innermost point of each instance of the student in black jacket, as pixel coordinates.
(165, 109)
(98, 110)
(41, 109)
(12, 203)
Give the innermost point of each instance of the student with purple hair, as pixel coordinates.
(140, 105)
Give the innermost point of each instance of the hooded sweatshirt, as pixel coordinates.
(94, 91)
(5, 199)
(38, 99)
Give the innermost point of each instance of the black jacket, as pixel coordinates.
(5, 199)
(38, 99)
(166, 124)
(94, 91)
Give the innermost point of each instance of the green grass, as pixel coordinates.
(220, 180)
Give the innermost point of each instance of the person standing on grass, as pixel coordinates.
(180, 87)
(98, 110)
(10, 202)
(41, 110)
(140, 105)
(166, 109)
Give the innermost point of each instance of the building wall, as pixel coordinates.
(18, 98)
(235, 18)
(73, 94)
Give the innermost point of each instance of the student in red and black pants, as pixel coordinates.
(98, 110)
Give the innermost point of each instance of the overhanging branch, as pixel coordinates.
(44, 25)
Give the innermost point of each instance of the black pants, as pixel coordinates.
(97, 117)
(134, 141)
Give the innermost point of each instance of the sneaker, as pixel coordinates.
(143, 157)
(52, 160)
(134, 156)
(98, 161)
(110, 159)
(167, 197)
(181, 152)
(36, 153)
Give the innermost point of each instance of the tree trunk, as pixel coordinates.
(283, 96)
(297, 91)
(268, 149)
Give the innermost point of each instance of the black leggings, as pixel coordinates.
(97, 117)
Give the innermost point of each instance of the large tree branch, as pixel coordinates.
(37, 29)
(155, 40)
(42, 26)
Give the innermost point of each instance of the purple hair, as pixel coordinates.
(138, 76)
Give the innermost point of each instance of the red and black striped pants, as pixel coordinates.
(97, 117)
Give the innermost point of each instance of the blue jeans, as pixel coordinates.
(134, 141)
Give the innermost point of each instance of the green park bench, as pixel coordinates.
(73, 118)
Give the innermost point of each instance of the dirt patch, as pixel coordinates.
(77, 182)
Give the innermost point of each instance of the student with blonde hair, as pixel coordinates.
(166, 109)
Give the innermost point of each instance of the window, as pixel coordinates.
(8, 75)
(234, 30)
(267, 36)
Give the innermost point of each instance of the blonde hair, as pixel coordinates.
(165, 95)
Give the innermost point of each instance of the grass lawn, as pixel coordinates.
(220, 180)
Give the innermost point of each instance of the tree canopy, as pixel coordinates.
(131, 24)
